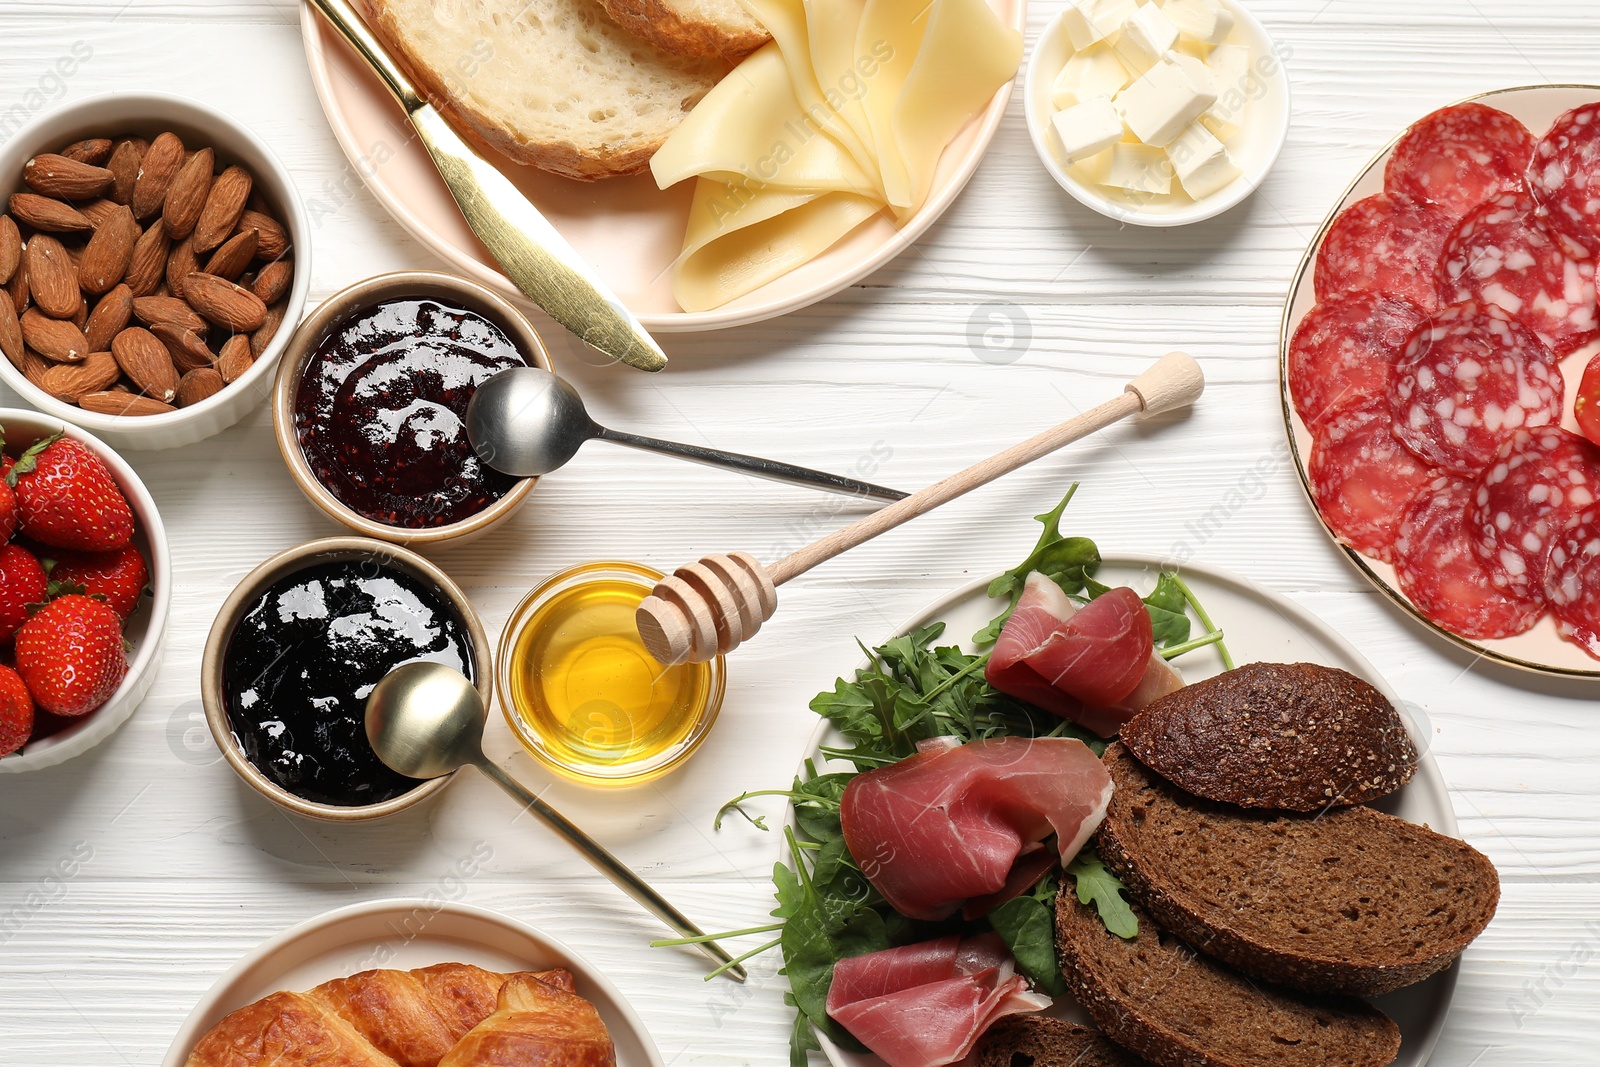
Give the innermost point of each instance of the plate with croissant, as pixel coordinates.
(412, 983)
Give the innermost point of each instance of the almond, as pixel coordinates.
(109, 253)
(98, 211)
(274, 240)
(70, 381)
(262, 337)
(93, 151)
(65, 178)
(272, 281)
(186, 347)
(52, 279)
(10, 248)
(181, 263)
(109, 318)
(234, 359)
(33, 366)
(17, 287)
(122, 402)
(224, 204)
(80, 318)
(186, 197)
(224, 303)
(153, 309)
(234, 256)
(124, 168)
(11, 333)
(200, 384)
(159, 165)
(146, 362)
(55, 339)
(147, 267)
(44, 213)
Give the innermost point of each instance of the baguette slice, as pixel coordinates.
(554, 84)
(1038, 1041)
(709, 29)
(1351, 901)
(1155, 995)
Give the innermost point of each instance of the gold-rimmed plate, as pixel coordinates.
(1542, 648)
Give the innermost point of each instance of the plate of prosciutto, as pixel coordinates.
(1440, 362)
(977, 866)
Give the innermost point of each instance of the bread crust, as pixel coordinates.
(1045, 1042)
(658, 23)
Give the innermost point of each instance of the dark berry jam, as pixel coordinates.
(305, 656)
(382, 407)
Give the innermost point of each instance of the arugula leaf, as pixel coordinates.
(1069, 561)
(1169, 611)
(1029, 930)
(802, 1040)
(1099, 887)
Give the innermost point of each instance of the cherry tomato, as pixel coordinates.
(1586, 409)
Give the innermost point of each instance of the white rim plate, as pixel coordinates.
(403, 934)
(630, 230)
(1261, 626)
(1541, 649)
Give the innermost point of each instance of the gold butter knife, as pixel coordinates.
(536, 258)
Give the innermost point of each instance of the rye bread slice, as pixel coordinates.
(1299, 736)
(1039, 1041)
(1160, 998)
(1352, 901)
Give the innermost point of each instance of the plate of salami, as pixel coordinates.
(1439, 346)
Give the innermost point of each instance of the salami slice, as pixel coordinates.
(1388, 243)
(1565, 174)
(1460, 156)
(1441, 574)
(1346, 349)
(1503, 254)
(1470, 376)
(1572, 580)
(1362, 477)
(1539, 480)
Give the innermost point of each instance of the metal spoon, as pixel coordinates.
(425, 720)
(526, 422)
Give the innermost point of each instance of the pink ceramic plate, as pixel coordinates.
(1542, 648)
(630, 230)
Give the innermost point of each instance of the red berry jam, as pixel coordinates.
(382, 406)
(305, 656)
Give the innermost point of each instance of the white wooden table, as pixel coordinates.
(184, 870)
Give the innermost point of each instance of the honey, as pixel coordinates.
(581, 692)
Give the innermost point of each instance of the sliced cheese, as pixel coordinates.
(1091, 72)
(843, 73)
(899, 25)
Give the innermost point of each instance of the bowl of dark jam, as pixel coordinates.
(295, 651)
(371, 400)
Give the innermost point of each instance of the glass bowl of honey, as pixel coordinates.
(581, 692)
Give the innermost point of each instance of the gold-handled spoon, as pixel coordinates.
(425, 720)
(708, 608)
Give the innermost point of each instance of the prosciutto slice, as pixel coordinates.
(927, 1004)
(1095, 665)
(950, 823)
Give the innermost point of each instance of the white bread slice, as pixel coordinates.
(712, 28)
(551, 83)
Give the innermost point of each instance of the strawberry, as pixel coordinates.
(70, 654)
(8, 512)
(22, 582)
(119, 578)
(66, 498)
(16, 712)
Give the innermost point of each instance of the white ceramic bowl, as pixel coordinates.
(147, 631)
(148, 114)
(1254, 148)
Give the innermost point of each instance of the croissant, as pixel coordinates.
(540, 1022)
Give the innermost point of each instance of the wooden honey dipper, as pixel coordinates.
(711, 607)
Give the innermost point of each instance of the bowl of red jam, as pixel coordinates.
(371, 399)
(297, 648)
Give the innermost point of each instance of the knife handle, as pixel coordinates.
(349, 24)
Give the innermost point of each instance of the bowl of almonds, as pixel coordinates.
(153, 257)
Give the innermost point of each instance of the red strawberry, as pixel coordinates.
(70, 655)
(8, 512)
(16, 712)
(22, 582)
(67, 499)
(117, 577)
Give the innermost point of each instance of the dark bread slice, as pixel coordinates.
(1160, 998)
(1299, 736)
(1350, 901)
(1038, 1041)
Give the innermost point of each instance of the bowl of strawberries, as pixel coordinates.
(85, 584)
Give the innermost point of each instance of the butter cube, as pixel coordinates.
(1162, 104)
(1139, 169)
(1087, 129)
(1146, 37)
(1235, 82)
(1088, 21)
(1091, 72)
(1201, 162)
(1204, 21)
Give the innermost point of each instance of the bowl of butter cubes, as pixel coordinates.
(1159, 113)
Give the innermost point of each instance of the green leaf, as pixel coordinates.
(1029, 931)
(1099, 887)
(802, 1041)
(1068, 561)
(1169, 611)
